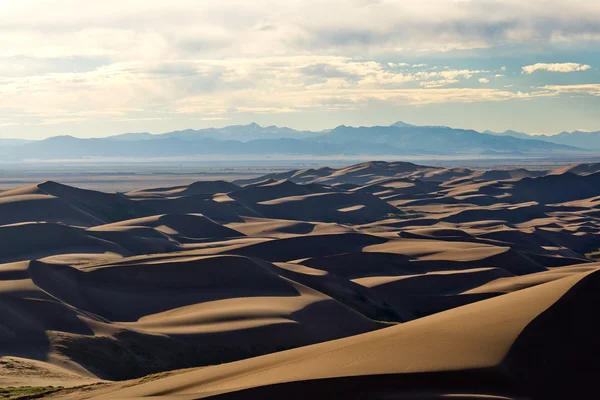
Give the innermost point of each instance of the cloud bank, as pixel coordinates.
(557, 67)
(153, 60)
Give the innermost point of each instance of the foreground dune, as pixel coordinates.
(487, 348)
(379, 280)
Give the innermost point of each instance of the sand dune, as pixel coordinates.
(349, 208)
(181, 227)
(268, 227)
(40, 207)
(36, 240)
(507, 174)
(274, 190)
(198, 204)
(294, 248)
(359, 174)
(489, 347)
(302, 176)
(210, 308)
(107, 207)
(196, 188)
(378, 280)
(579, 169)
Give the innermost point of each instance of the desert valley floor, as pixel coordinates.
(379, 280)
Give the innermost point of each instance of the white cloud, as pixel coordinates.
(218, 88)
(213, 119)
(157, 29)
(446, 77)
(147, 60)
(397, 65)
(458, 95)
(465, 73)
(438, 83)
(556, 67)
(592, 89)
(484, 80)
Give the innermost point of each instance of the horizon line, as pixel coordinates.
(255, 124)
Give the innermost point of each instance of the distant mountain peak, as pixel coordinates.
(62, 137)
(133, 136)
(401, 124)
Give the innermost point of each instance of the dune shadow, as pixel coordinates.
(556, 355)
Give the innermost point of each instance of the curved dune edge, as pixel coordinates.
(463, 345)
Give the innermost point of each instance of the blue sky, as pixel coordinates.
(157, 66)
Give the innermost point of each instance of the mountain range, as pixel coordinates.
(240, 140)
(589, 140)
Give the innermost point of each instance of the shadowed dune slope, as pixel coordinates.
(269, 227)
(179, 226)
(126, 320)
(287, 200)
(289, 249)
(196, 188)
(109, 207)
(36, 240)
(496, 347)
(275, 190)
(222, 212)
(42, 207)
(349, 208)
(579, 169)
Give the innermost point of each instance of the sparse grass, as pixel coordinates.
(27, 392)
(42, 392)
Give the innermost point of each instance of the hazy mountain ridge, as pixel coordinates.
(583, 139)
(253, 139)
(242, 133)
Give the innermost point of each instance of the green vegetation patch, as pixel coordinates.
(27, 392)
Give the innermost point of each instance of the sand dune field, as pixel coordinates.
(379, 280)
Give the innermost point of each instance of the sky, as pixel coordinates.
(68, 67)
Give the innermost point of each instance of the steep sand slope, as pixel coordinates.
(360, 174)
(196, 188)
(129, 319)
(579, 169)
(271, 190)
(279, 228)
(312, 202)
(499, 346)
(180, 227)
(42, 207)
(109, 207)
(36, 240)
(302, 176)
(215, 209)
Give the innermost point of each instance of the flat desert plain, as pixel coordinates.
(379, 280)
